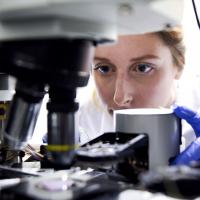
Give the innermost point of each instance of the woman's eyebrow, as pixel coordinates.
(144, 57)
(101, 59)
(132, 59)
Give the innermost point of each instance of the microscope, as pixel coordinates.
(48, 47)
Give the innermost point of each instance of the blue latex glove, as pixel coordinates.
(192, 117)
(192, 152)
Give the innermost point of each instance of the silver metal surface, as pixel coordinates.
(162, 127)
(22, 123)
(97, 19)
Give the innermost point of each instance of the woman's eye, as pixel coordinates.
(143, 68)
(103, 69)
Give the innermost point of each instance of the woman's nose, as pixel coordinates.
(123, 95)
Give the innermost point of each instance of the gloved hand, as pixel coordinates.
(192, 152)
(192, 117)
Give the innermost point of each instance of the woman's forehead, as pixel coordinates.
(140, 37)
(137, 44)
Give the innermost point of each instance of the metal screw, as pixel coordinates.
(125, 9)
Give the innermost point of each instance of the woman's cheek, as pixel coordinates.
(105, 94)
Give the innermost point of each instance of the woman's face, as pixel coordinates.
(137, 72)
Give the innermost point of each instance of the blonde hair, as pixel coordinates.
(174, 39)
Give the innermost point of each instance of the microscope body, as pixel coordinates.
(48, 47)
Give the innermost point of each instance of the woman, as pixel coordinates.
(140, 71)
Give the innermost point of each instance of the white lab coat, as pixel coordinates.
(94, 120)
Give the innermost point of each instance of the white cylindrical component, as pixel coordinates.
(7, 87)
(162, 127)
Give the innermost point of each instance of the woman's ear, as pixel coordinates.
(178, 73)
(180, 67)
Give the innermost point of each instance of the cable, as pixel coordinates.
(196, 14)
